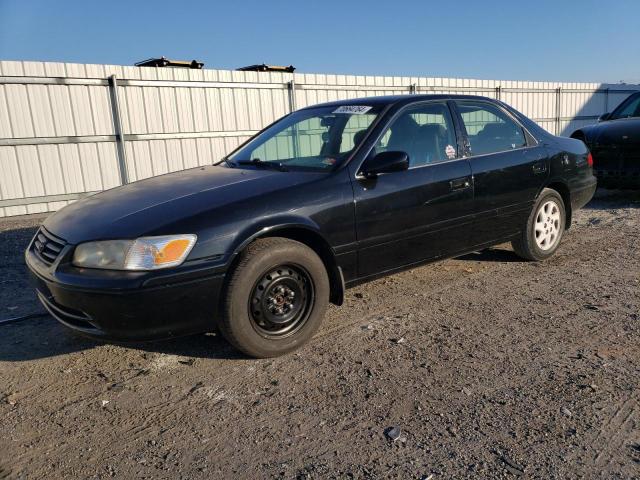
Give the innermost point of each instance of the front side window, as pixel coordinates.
(424, 132)
(314, 139)
(354, 132)
(489, 129)
(628, 108)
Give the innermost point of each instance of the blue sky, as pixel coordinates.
(558, 40)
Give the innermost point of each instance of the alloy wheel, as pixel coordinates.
(547, 225)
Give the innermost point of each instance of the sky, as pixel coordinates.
(573, 41)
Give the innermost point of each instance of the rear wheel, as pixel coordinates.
(275, 299)
(541, 236)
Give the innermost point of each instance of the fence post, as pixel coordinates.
(498, 92)
(117, 125)
(558, 107)
(291, 86)
(606, 100)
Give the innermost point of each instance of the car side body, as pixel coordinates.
(615, 145)
(362, 227)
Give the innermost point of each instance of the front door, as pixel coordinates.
(422, 213)
(508, 166)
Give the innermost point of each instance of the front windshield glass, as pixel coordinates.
(629, 108)
(315, 139)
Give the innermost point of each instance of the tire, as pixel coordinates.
(275, 299)
(546, 222)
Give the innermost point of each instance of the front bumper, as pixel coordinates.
(127, 306)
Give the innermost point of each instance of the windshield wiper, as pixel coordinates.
(261, 163)
(226, 161)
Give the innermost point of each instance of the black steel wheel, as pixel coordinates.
(275, 297)
(281, 300)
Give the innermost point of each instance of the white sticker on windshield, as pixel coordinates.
(353, 109)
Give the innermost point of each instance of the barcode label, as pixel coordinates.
(352, 109)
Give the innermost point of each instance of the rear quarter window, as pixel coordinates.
(489, 129)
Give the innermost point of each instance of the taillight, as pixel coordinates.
(590, 160)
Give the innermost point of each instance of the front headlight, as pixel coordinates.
(145, 253)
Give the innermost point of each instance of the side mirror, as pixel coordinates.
(385, 162)
(604, 117)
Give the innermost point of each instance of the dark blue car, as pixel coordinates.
(325, 198)
(615, 145)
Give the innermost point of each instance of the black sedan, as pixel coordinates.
(615, 145)
(325, 198)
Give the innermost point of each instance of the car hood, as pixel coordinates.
(625, 130)
(147, 206)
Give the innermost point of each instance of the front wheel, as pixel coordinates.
(275, 299)
(541, 236)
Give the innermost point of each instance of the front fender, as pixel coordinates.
(586, 134)
(300, 229)
(267, 228)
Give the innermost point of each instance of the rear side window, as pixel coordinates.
(489, 129)
(424, 132)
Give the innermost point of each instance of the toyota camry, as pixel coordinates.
(325, 198)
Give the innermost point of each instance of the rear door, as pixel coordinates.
(508, 165)
(421, 213)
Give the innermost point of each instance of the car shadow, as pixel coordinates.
(494, 254)
(606, 199)
(44, 337)
(17, 298)
(206, 345)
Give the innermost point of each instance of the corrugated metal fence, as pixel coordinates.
(69, 130)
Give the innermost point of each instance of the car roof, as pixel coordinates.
(398, 100)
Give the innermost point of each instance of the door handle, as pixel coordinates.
(460, 183)
(539, 167)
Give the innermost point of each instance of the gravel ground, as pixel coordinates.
(490, 367)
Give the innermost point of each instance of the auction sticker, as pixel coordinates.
(450, 151)
(352, 109)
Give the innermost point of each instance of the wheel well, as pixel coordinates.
(563, 190)
(324, 251)
(579, 135)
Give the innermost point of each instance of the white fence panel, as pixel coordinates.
(69, 130)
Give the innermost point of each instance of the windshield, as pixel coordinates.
(629, 108)
(315, 139)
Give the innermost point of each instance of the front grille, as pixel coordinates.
(47, 246)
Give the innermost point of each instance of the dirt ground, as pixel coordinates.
(490, 367)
